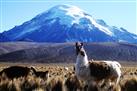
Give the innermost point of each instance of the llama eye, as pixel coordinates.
(81, 47)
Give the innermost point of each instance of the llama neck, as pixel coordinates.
(82, 60)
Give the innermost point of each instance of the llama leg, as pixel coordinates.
(117, 81)
(92, 86)
(115, 84)
(86, 87)
(102, 84)
(107, 85)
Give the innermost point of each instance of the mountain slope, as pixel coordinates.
(66, 23)
(65, 52)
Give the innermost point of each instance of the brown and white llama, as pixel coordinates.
(95, 70)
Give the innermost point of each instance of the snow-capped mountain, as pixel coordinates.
(66, 23)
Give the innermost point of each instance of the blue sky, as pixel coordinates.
(118, 13)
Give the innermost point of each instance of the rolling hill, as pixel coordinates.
(65, 52)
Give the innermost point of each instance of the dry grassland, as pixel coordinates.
(62, 78)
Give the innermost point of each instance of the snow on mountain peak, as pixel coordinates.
(70, 15)
(67, 23)
(73, 11)
(102, 28)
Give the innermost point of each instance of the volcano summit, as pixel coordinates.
(67, 23)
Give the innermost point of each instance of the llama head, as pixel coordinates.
(79, 49)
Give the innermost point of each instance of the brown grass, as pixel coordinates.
(62, 80)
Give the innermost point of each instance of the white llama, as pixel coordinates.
(95, 70)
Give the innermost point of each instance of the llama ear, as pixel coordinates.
(81, 44)
(77, 43)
